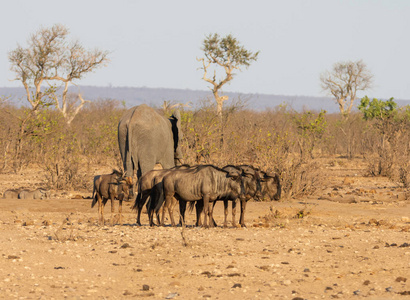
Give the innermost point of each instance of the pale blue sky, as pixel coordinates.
(155, 43)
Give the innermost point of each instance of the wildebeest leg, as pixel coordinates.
(100, 209)
(226, 213)
(182, 209)
(120, 211)
(140, 205)
(171, 211)
(199, 207)
(207, 213)
(234, 213)
(112, 210)
(243, 209)
(212, 208)
(168, 201)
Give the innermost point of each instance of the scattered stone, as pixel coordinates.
(207, 296)
(171, 296)
(59, 268)
(237, 285)
(46, 223)
(175, 283)
(389, 289)
(287, 282)
(127, 293)
(13, 257)
(366, 282)
(356, 293)
(126, 245)
(28, 223)
(404, 245)
(264, 268)
(404, 293)
(207, 273)
(112, 251)
(401, 279)
(145, 287)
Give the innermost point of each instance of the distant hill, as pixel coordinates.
(156, 96)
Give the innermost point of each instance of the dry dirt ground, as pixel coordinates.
(349, 241)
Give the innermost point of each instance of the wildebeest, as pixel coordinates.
(145, 184)
(207, 183)
(252, 189)
(36, 194)
(109, 187)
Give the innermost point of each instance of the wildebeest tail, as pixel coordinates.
(94, 196)
(137, 200)
(191, 206)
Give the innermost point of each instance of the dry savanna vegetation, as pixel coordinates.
(341, 229)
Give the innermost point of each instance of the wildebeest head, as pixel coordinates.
(252, 181)
(237, 185)
(271, 186)
(124, 188)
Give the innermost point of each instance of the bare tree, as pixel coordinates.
(50, 58)
(344, 81)
(228, 54)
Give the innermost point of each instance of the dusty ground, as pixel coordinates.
(349, 241)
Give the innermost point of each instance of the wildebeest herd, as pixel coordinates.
(145, 139)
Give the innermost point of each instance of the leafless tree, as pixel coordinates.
(50, 58)
(344, 81)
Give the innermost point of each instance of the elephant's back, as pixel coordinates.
(145, 122)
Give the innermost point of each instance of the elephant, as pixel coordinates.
(146, 138)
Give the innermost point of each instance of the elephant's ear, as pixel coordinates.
(177, 117)
(177, 133)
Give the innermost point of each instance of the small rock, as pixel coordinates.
(124, 246)
(287, 282)
(401, 279)
(357, 292)
(13, 257)
(389, 289)
(175, 283)
(171, 296)
(145, 287)
(367, 282)
(237, 285)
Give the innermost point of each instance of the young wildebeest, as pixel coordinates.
(109, 187)
(145, 185)
(36, 194)
(207, 183)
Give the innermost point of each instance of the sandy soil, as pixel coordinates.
(349, 241)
